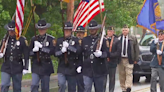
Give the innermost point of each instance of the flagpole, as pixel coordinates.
(62, 12)
(32, 6)
(87, 22)
(100, 10)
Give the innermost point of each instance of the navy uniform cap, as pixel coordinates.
(93, 25)
(10, 26)
(80, 29)
(68, 25)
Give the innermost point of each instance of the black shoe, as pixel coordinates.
(128, 90)
(123, 91)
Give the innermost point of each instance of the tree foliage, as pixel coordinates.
(118, 12)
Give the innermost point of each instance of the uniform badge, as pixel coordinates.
(60, 45)
(47, 43)
(80, 42)
(54, 42)
(73, 42)
(91, 56)
(107, 43)
(18, 43)
(26, 42)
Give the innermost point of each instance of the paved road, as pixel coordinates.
(139, 87)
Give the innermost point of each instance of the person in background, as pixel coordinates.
(157, 70)
(129, 57)
(114, 52)
(80, 32)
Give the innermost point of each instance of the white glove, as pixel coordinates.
(65, 44)
(37, 44)
(25, 72)
(1, 55)
(35, 49)
(98, 53)
(156, 40)
(64, 49)
(79, 69)
(159, 52)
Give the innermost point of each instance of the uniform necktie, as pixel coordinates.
(124, 51)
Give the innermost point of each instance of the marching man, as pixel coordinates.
(156, 68)
(12, 67)
(41, 48)
(66, 50)
(94, 67)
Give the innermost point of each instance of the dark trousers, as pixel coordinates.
(44, 83)
(80, 83)
(98, 83)
(112, 73)
(16, 80)
(71, 80)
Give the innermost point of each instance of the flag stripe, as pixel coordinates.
(84, 8)
(87, 15)
(19, 17)
(77, 15)
(86, 11)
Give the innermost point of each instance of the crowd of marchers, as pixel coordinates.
(83, 60)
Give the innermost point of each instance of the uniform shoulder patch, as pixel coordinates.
(23, 37)
(107, 43)
(54, 42)
(26, 42)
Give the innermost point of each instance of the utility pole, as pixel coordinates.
(70, 11)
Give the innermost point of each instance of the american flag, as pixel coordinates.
(86, 11)
(19, 17)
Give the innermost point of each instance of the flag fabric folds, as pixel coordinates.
(86, 11)
(19, 17)
(150, 16)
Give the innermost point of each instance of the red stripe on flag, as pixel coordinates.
(22, 7)
(87, 15)
(92, 17)
(79, 10)
(19, 15)
(82, 18)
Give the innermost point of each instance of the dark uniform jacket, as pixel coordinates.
(153, 49)
(132, 50)
(93, 66)
(72, 51)
(115, 52)
(16, 51)
(44, 66)
(79, 57)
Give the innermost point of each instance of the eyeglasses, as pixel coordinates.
(160, 34)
